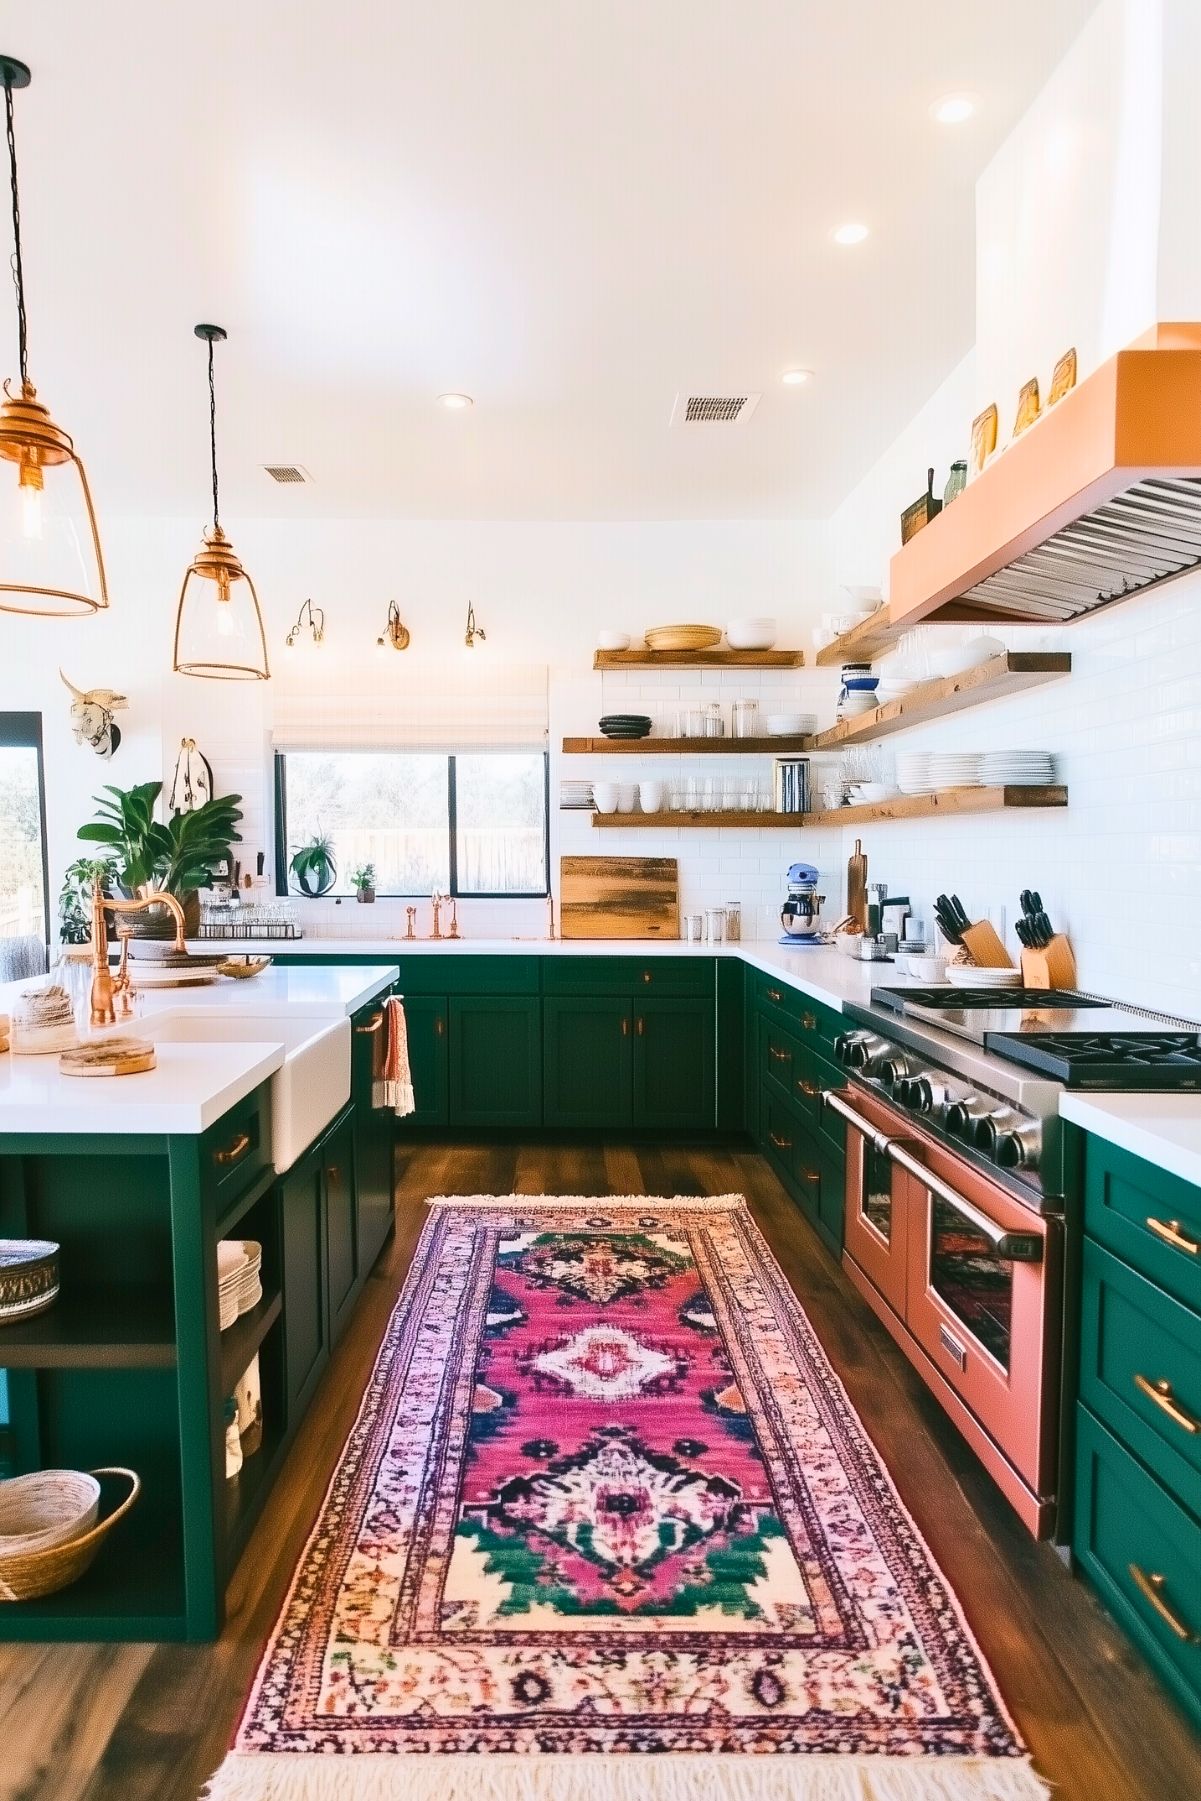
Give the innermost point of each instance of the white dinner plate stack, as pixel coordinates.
(913, 772)
(954, 769)
(1017, 768)
(966, 975)
(576, 796)
(239, 1278)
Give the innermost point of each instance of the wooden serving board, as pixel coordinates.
(619, 897)
(108, 1057)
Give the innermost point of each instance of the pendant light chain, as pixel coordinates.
(213, 436)
(17, 266)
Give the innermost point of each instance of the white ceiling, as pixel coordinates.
(569, 209)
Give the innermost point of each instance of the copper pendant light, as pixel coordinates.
(218, 635)
(50, 558)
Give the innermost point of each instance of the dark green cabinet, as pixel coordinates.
(801, 1139)
(303, 1253)
(373, 1135)
(587, 1060)
(426, 1015)
(495, 1059)
(341, 1225)
(674, 1060)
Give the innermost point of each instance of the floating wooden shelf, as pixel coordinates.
(698, 659)
(903, 806)
(686, 747)
(663, 821)
(1098, 500)
(947, 802)
(115, 1330)
(870, 639)
(1009, 673)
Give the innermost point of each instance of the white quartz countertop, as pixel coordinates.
(298, 991)
(1164, 1129)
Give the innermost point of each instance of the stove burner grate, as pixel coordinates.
(1116, 1060)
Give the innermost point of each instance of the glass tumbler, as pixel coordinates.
(744, 719)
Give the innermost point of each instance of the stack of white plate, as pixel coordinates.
(1017, 768)
(576, 795)
(966, 975)
(954, 769)
(913, 772)
(239, 1278)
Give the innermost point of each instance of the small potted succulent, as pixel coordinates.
(362, 880)
(313, 868)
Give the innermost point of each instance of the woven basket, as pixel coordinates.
(241, 969)
(28, 1566)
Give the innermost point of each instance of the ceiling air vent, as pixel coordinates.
(287, 472)
(713, 409)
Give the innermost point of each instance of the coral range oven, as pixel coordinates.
(956, 1192)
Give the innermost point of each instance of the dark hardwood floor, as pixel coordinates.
(148, 1723)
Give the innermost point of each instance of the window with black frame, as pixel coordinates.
(469, 824)
(24, 876)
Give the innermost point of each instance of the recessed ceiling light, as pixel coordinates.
(456, 402)
(851, 233)
(795, 378)
(953, 109)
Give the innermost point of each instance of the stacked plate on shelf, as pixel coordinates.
(954, 769)
(913, 772)
(1017, 768)
(682, 637)
(968, 975)
(626, 725)
(576, 797)
(239, 1278)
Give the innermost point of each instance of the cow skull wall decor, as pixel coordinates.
(92, 717)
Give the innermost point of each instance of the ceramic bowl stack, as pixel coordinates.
(239, 1278)
(789, 725)
(626, 725)
(28, 1278)
(663, 638)
(576, 797)
(43, 1020)
(954, 769)
(1017, 768)
(751, 634)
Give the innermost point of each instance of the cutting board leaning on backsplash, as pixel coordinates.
(619, 897)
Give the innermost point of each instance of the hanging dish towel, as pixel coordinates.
(394, 1088)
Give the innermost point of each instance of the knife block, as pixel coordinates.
(1052, 967)
(984, 946)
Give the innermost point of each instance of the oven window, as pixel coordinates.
(876, 1202)
(971, 1279)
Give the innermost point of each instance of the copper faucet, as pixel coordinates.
(106, 990)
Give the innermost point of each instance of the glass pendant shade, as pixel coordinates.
(219, 625)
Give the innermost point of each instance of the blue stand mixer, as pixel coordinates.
(800, 914)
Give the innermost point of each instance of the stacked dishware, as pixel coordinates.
(239, 1278)
(626, 725)
(913, 772)
(682, 637)
(751, 634)
(43, 1020)
(954, 769)
(970, 975)
(789, 725)
(1017, 768)
(576, 796)
(28, 1278)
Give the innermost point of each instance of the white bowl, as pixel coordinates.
(957, 659)
(751, 634)
(893, 687)
(613, 640)
(627, 797)
(856, 701)
(846, 622)
(604, 795)
(650, 796)
(927, 969)
(787, 725)
(873, 791)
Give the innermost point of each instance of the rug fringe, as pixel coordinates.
(631, 1777)
(605, 1203)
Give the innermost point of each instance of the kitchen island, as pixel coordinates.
(138, 1179)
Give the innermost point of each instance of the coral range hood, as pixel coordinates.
(1100, 499)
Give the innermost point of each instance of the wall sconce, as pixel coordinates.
(395, 632)
(309, 619)
(474, 631)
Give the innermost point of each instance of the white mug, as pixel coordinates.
(604, 795)
(650, 796)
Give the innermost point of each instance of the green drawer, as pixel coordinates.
(1148, 1218)
(812, 1177)
(822, 1075)
(781, 1057)
(682, 978)
(1135, 1338)
(1125, 1523)
(772, 995)
(459, 972)
(238, 1147)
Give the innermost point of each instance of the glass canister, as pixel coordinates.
(733, 922)
(715, 725)
(693, 928)
(715, 924)
(744, 719)
(73, 973)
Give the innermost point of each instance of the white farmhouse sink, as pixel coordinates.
(311, 1087)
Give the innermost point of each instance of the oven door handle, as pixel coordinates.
(1014, 1247)
(879, 1141)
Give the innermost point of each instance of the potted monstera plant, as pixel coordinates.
(180, 856)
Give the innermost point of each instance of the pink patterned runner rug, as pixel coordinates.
(607, 1528)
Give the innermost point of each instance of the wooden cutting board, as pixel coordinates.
(619, 897)
(108, 1057)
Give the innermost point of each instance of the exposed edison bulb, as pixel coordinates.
(30, 482)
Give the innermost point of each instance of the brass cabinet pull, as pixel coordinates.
(439, 1026)
(779, 1055)
(809, 1022)
(809, 1088)
(1151, 1588)
(1161, 1393)
(773, 994)
(647, 976)
(811, 1176)
(781, 1144)
(373, 1025)
(625, 1027)
(234, 1152)
(1171, 1231)
(640, 1026)
(333, 1174)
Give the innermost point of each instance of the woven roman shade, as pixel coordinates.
(452, 707)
